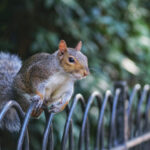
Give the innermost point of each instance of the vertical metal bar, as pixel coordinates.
(102, 136)
(50, 135)
(99, 135)
(85, 118)
(139, 112)
(51, 138)
(112, 141)
(121, 122)
(24, 127)
(68, 121)
(106, 137)
(147, 113)
(134, 93)
(71, 136)
(46, 132)
(87, 135)
(147, 120)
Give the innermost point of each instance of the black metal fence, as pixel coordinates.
(128, 127)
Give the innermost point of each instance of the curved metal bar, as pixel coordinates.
(67, 125)
(108, 95)
(50, 138)
(137, 87)
(9, 105)
(136, 90)
(143, 97)
(21, 115)
(47, 131)
(90, 101)
(103, 137)
(24, 127)
(113, 119)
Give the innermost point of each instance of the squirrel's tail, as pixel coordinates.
(9, 64)
(9, 67)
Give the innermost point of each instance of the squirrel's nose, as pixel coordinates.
(86, 72)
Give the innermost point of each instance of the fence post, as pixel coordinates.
(121, 117)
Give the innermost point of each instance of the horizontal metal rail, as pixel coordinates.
(134, 142)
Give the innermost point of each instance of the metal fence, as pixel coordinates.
(128, 127)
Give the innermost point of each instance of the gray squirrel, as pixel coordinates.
(47, 79)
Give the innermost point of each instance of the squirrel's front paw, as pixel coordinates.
(38, 106)
(58, 107)
(55, 109)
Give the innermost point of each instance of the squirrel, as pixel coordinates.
(46, 79)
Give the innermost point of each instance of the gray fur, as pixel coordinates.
(79, 56)
(36, 74)
(9, 67)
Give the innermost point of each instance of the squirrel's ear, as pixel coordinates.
(62, 46)
(79, 46)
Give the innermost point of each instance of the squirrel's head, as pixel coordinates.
(72, 60)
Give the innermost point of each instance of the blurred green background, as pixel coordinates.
(115, 36)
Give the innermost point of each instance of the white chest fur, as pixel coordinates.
(56, 86)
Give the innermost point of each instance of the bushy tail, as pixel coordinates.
(9, 67)
(9, 64)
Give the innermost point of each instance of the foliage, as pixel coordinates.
(115, 35)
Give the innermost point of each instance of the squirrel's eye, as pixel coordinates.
(71, 60)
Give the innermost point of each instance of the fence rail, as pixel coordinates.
(129, 125)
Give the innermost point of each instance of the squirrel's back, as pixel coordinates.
(9, 67)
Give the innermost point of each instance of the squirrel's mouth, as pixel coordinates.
(79, 76)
